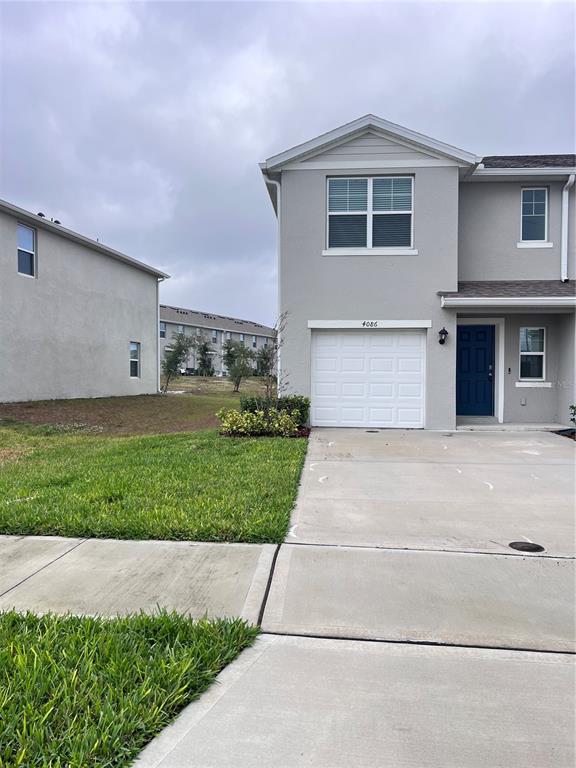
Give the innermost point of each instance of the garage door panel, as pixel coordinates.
(368, 378)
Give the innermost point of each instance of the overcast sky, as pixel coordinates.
(142, 124)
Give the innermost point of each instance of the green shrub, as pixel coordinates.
(273, 423)
(292, 404)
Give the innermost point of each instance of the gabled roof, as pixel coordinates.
(198, 319)
(362, 125)
(39, 222)
(529, 161)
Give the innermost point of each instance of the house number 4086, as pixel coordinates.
(370, 324)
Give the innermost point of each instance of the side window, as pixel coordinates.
(532, 353)
(162, 330)
(254, 341)
(534, 215)
(26, 250)
(180, 329)
(134, 359)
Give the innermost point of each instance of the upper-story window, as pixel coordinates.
(162, 330)
(228, 336)
(370, 212)
(242, 337)
(214, 336)
(26, 250)
(254, 341)
(535, 215)
(179, 329)
(532, 353)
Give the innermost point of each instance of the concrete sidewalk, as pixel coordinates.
(298, 702)
(401, 538)
(108, 577)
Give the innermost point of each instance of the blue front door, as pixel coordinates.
(475, 370)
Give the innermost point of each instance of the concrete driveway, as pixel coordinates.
(402, 538)
(460, 491)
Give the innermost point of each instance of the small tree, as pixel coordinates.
(204, 352)
(269, 358)
(175, 356)
(238, 360)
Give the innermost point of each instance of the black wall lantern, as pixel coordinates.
(443, 333)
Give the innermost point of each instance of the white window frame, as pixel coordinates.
(137, 359)
(254, 341)
(25, 250)
(162, 329)
(228, 335)
(522, 242)
(369, 213)
(178, 327)
(541, 354)
(242, 337)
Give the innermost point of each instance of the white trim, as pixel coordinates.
(522, 171)
(351, 165)
(137, 359)
(533, 383)
(370, 252)
(503, 301)
(499, 324)
(366, 325)
(534, 244)
(158, 343)
(365, 123)
(534, 354)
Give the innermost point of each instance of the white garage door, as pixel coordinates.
(368, 378)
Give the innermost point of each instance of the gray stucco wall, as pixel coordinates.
(566, 367)
(316, 287)
(541, 403)
(66, 333)
(489, 231)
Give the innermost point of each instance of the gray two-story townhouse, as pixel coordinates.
(77, 319)
(215, 329)
(424, 286)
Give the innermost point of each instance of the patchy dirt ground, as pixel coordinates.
(142, 414)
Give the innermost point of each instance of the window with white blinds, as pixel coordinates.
(370, 212)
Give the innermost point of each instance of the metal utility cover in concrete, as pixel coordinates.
(460, 599)
(117, 577)
(428, 490)
(295, 702)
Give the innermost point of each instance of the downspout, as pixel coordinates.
(160, 280)
(564, 238)
(268, 180)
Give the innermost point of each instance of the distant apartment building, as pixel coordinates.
(77, 319)
(215, 329)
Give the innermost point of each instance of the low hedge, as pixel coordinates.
(272, 423)
(297, 406)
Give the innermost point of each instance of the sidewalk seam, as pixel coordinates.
(31, 575)
(268, 586)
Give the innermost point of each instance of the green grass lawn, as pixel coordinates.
(91, 692)
(193, 486)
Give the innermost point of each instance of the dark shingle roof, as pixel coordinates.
(196, 318)
(512, 289)
(529, 161)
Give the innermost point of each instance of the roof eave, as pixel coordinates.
(554, 171)
(42, 223)
(366, 123)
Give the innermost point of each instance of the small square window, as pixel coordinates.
(532, 353)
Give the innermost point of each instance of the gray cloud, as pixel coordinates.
(142, 124)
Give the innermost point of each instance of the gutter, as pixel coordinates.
(507, 301)
(564, 236)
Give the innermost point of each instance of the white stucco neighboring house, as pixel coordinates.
(77, 319)
(424, 284)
